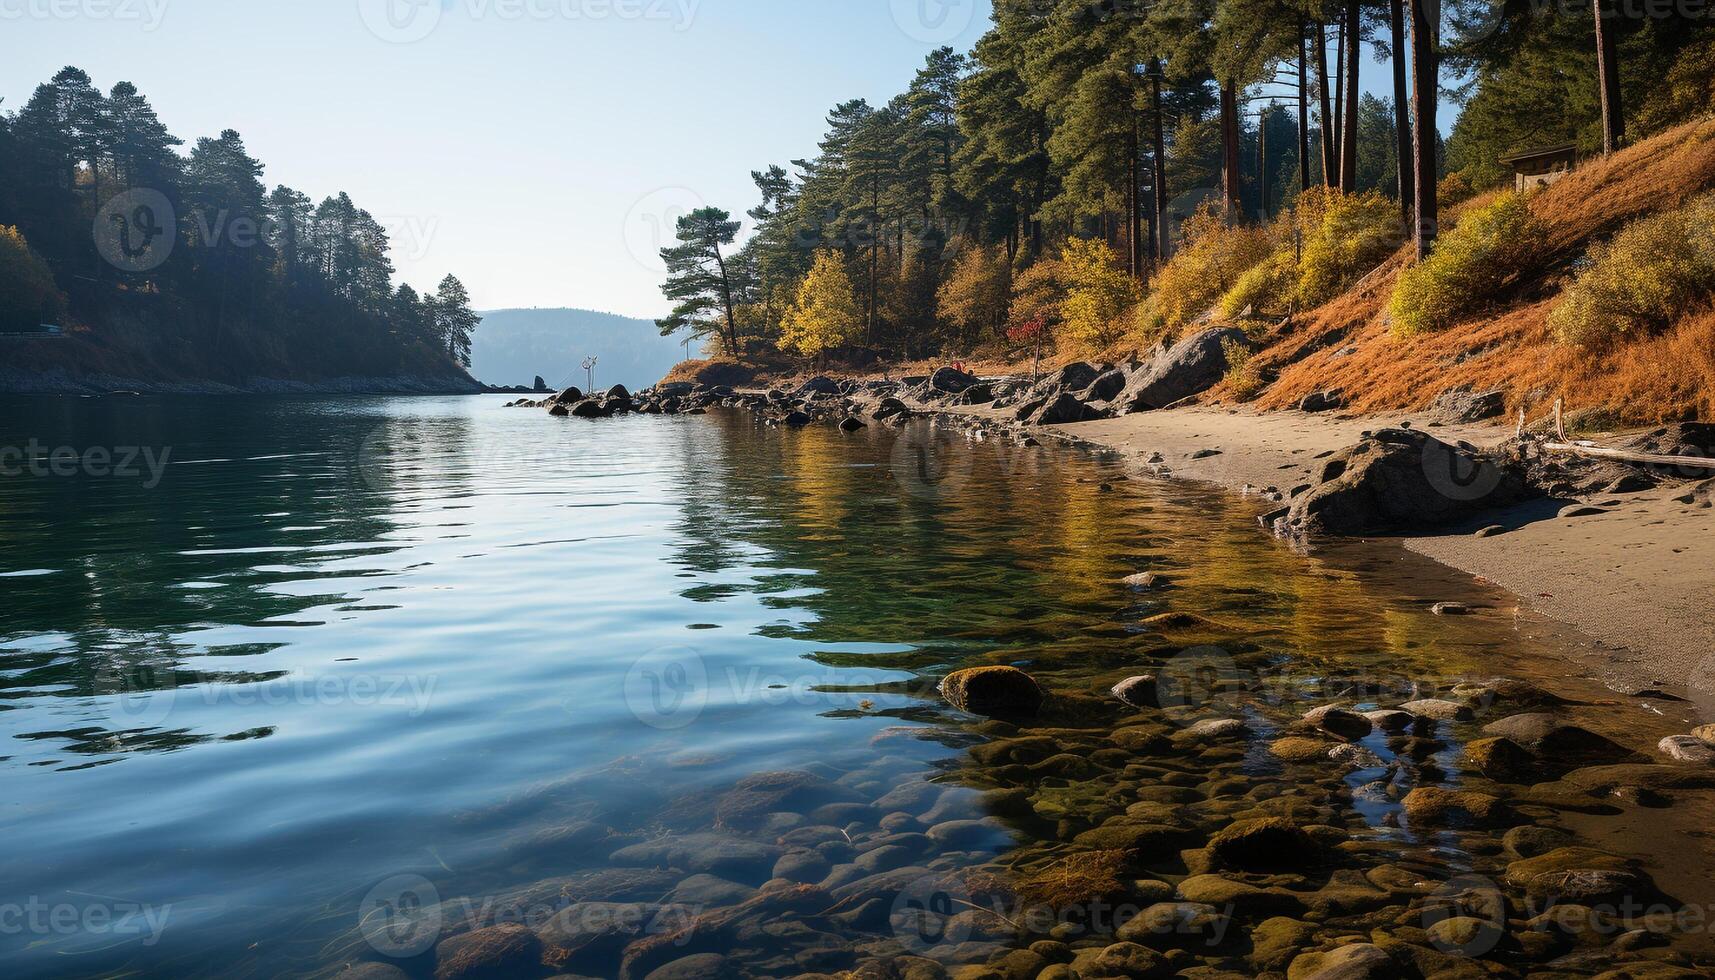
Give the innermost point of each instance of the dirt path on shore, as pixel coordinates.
(1640, 578)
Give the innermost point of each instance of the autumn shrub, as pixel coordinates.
(1099, 294)
(1344, 237)
(28, 294)
(1243, 380)
(1470, 265)
(1211, 258)
(1265, 287)
(1642, 280)
(1454, 189)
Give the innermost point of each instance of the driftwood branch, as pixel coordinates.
(1594, 451)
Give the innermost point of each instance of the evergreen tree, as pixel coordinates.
(454, 320)
(698, 280)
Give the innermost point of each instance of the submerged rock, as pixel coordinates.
(498, 951)
(1139, 691)
(994, 690)
(1429, 806)
(1271, 843)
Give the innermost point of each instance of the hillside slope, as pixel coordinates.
(1348, 344)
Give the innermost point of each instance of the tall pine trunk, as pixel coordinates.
(1159, 151)
(1402, 114)
(1230, 186)
(1330, 168)
(1339, 132)
(1608, 70)
(1134, 195)
(1425, 92)
(1349, 115)
(1303, 113)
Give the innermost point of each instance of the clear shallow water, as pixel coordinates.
(340, 642)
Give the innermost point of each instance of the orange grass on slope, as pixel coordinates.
(1347, 344)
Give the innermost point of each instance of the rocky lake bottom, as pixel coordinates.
(426, 688)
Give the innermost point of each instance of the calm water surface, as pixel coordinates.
(344, 641)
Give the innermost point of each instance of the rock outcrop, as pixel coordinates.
(1402, 480)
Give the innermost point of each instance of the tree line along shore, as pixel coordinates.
(1093, 180)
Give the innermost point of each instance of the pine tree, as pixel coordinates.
(698, 280)
(454, 320)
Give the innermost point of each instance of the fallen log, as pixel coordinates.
(1594, 451)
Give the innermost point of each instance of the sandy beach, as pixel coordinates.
(1638, 577)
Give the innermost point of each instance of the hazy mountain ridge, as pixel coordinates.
(512, 347)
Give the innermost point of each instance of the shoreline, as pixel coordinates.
(1635, 577)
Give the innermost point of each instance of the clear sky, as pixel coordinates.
(540, 149)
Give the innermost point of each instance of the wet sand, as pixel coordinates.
(1638, 578)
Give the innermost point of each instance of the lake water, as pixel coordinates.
(306, 668)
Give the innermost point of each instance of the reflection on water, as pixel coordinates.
(348, 644)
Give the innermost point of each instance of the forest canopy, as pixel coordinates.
(225, 276)
(1046, 178)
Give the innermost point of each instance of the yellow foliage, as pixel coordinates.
(1639, 283)
(974, 297)
(1098, 296)
(28, 294)
(1344, 237)
(1263, 287)
(1209, 262)
(1471, 263)
(1242, 377)
(1037, 294)
(824, 315)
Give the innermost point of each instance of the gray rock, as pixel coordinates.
(1105, 387)
(951, 381)
(1461, 405)
(1322, 401)
(1061, 409)
(1687, 748)
(1401, 480)
(1139, 691)
(1190, 367)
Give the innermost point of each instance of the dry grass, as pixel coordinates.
(1347, 344)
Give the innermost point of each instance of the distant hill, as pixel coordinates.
(512, 347)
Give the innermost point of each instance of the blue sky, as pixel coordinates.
(540, 149)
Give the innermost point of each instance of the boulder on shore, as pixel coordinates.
(1060, 410)
(1190, 367)
(951, 380)
(1401, 480)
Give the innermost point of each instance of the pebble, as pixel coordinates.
(1687, 748)
(1451, 609)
